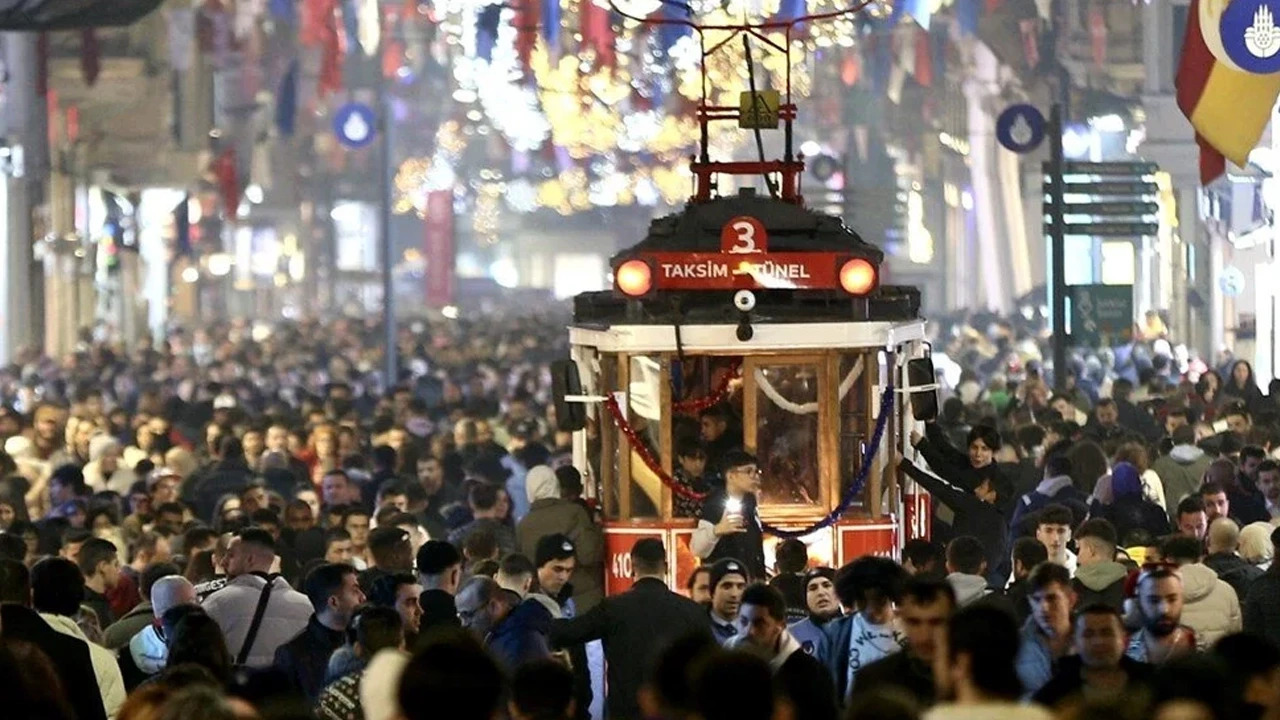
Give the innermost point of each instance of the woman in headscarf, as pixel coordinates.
(1129, 508)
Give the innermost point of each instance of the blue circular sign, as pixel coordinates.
(1020, 128)
(1251, 35)
(355, 125)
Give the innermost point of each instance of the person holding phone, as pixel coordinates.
(729, 522)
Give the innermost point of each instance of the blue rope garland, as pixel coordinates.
(855, 488)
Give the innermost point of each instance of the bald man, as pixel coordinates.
(1223, 542)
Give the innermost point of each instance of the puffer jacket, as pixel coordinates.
(550, 514)
(149, 651)
(1210, 606)
(287, 614)
(1181, 472)
(105, 668)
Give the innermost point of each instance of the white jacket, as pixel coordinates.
(1210, 606)
(105, 667)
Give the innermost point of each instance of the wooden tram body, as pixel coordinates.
(777, 310)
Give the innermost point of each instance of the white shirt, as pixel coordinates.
(868, 643)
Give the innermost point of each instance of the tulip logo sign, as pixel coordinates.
(353, 125)
(1250, 36)
(1020, 128)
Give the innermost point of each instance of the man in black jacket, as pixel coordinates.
(1100, 668)
(635, 626)
(335, 594)
(977, 513)
(926, 607)
(69, 656)
(802, 678)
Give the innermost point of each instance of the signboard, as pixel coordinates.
(720, 271)
(1072, 167)
(618, 573)
(860, 540)
(1112, 207)
(1250, 36)
(1110, 229)
(1020, 128)
(744, 235)
(1112, 187)
(1101, 314)
(759, 110)
(438, 248)
(354, 125)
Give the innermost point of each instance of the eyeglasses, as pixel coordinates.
(747, 470)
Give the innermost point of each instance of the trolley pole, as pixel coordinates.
(1057, 243)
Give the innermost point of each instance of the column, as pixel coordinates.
(24, 131)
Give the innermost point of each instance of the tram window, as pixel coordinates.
(787, 431)
(857, 370)
(644, 402)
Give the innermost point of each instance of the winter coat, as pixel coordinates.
(1131, 513)
(549, 514)
(1210, 606)
(1262, 606)
(105, 668)
(287, 614)
(522, 634)
(1234, 571)
(149, 651)
(120, 632)
(1181, 472)
(1101, 582)
(71, 657)
(973, 516)
(968, 588)
(1052, 490)
(305, 658)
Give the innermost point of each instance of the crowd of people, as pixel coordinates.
(249, 522)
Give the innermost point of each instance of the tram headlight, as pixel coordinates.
(858, 276)
(634, 278)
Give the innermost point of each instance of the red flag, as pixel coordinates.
(1030, 28)
(1098, 34)
(924, 58)
(331, 54)
(228, 177)
(528, 16)
(597, 33)
(90, 56)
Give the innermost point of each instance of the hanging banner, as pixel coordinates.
(439, 248)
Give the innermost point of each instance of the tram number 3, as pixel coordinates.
(744, 235)
(622, 565)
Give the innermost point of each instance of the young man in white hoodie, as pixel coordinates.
(57, 589)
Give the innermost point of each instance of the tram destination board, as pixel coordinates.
(717, 271)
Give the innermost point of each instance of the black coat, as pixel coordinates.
(70, 658)
(634, 627)
(305, 658)
(901, 671)
(1234, 571)
(1132, 513)
(982, 520)
(808, 685)
(1261, 607)
(1067, 683)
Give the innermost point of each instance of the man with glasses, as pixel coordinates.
(729, 524)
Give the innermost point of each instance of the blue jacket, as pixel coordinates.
(811, 637)
(1051, 490)
(1035, 663)
(522, 635)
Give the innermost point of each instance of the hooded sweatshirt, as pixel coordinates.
(968, 588)
(149, 651)
(1180, 471)
(1210, 606)
(1051, 490)
(1101, 582)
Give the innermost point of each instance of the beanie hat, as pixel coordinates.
(727, 566)
(553, 547)
(820, 572)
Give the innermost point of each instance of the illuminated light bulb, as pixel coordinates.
(634, 278)
(858, 276)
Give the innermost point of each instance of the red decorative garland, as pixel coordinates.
(717, 396)
(620, 420)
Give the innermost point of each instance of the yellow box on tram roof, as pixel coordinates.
(759, 110)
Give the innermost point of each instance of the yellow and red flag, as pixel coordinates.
(1228, 107)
